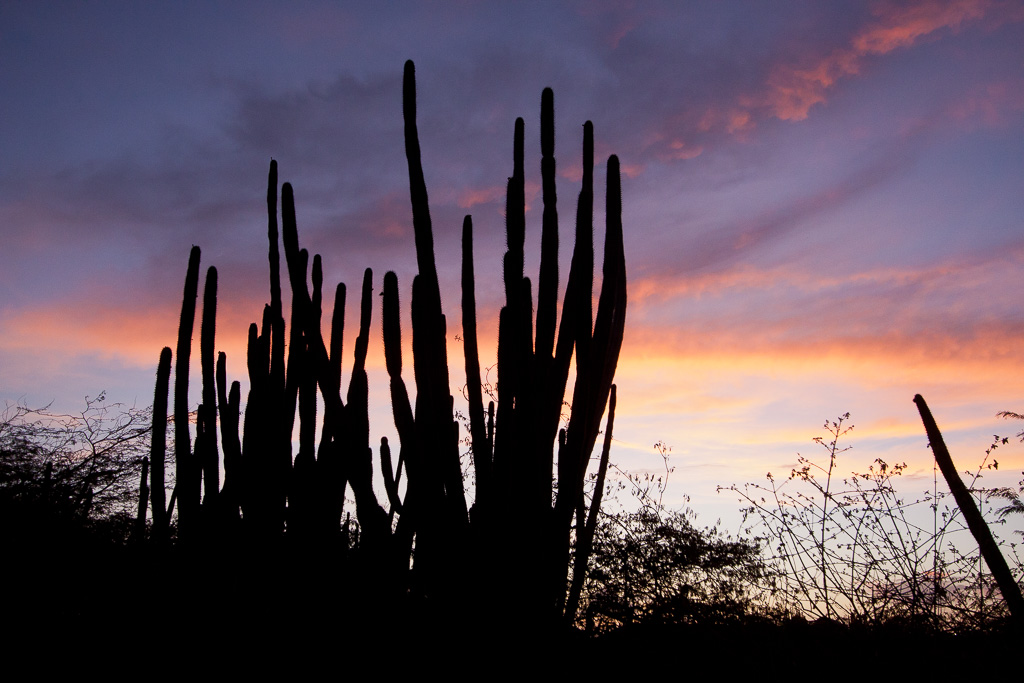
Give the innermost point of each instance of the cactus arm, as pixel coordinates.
(391, 476)
(504, 417)
(583, 317)
(437, 438)
(276, 333)
(158, 449)
(188, 505)
(229, 404)
(547, 282)
(417, 184)
(585, 537)
(359, 466)
(300, 303)
(211, 456)
(337, 331)
(273, 256)
(229, 415)
(576, 304)
(609, 325)
(481, 452)
(515, 219)
(611, 315)
(401, 406)
(140, 516)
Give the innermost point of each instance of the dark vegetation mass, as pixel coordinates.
(107, 532)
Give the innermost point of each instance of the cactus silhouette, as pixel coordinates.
(187, 495)
(158, 451)
(427, 539)
(512, 507)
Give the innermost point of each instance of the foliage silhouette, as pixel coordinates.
(852, 549)
(660, 569)
(1014, 505)
(69, 494)
(71, 473)
(651, 566)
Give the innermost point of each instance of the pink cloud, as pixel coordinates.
(669, 147)
(485, 195)
(989, 104)
(793, 90)
(681, 150)
(620, 18)
(634, 170)
(900, 26)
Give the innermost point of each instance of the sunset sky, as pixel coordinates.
(823, 202)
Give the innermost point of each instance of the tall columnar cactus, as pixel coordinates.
(158, 451)
(515, 463)
(187, 494)
(139, 532)
(229, 403)
(514, 444)
(211, 456)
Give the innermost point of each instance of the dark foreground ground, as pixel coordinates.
(126, 612)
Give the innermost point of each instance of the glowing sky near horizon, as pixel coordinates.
(823, 202)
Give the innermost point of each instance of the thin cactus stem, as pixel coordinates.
(228, 402)
(417, 185)
(337, 331)
(140, 516)
(585, 534)
(583, 317)
(158, 450)
(596, 361)
(318, 283)
(392, 333)
(392, 476)
(297, 268)
(274, 255)
(188, 503)
(359, 466)
(434, 415)
(515, 219)
(481, 449)
(211, 457)
(547, 282)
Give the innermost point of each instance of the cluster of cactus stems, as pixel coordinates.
(516, 540)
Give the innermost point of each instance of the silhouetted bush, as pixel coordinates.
(850, 548)
(650, 568)
(67, 477)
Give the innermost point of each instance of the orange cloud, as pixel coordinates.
(744, 399)
(134, 337)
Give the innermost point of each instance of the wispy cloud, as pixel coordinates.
(794, 89)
